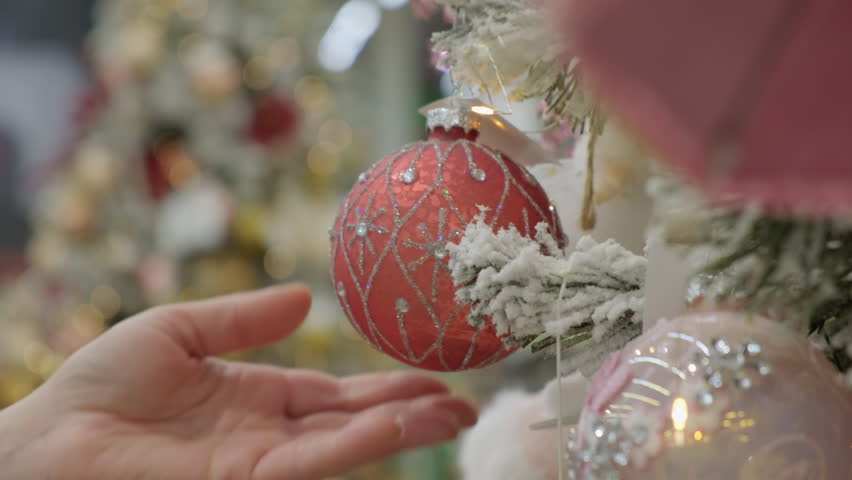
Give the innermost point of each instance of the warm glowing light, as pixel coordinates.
(482, 110)
(106, 299)
(258, 73)
(335, 134)
(279, 263)
(698, 435)
(180, 167)
(679, 414)
(322, 161)
(87, 319)
(312, 94)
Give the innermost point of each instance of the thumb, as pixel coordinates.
(234, 322)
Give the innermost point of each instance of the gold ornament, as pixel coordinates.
(94, 168)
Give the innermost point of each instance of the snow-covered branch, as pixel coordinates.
(795, 270)
(515, 281)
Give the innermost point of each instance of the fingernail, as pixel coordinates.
(464, 414)
(435, 420)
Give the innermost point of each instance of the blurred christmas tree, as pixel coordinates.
(210, 161)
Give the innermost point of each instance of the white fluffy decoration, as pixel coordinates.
(503, 447)
(194, 218)
(623, 207)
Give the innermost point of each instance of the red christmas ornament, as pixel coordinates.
(166, 144)
(388, 244)
(274, 121)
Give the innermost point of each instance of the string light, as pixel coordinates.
(322, 161)
(680, 413)
(482, 110)
(335, 134)
(312, 94)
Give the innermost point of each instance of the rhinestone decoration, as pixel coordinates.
(362, 178)
(432, 247)
(478, 175)
(402, 305)
(364, 224)
(725, 365)
(361, 229)
(606, 449)
(408, 176)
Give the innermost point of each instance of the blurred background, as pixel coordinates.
(155, 151)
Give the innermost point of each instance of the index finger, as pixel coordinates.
(233, 322)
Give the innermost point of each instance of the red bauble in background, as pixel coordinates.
(274, 120)
(390, 262)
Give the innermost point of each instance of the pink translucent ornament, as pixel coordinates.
(746, 98)
(718, 395)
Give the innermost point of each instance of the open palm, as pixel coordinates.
(147, 401)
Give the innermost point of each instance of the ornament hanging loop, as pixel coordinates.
(588, 216)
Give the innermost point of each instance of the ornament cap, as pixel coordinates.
(455, 112)
(492, 130)
(449, 118)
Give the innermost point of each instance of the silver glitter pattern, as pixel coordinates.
(401, 305)
(435, 248)
(363, 226)
(475, 172)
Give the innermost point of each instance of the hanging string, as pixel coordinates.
(559, 415)
(588, 217)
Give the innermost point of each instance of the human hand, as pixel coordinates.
(147, 400)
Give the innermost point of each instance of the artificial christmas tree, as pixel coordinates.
(208, 161)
